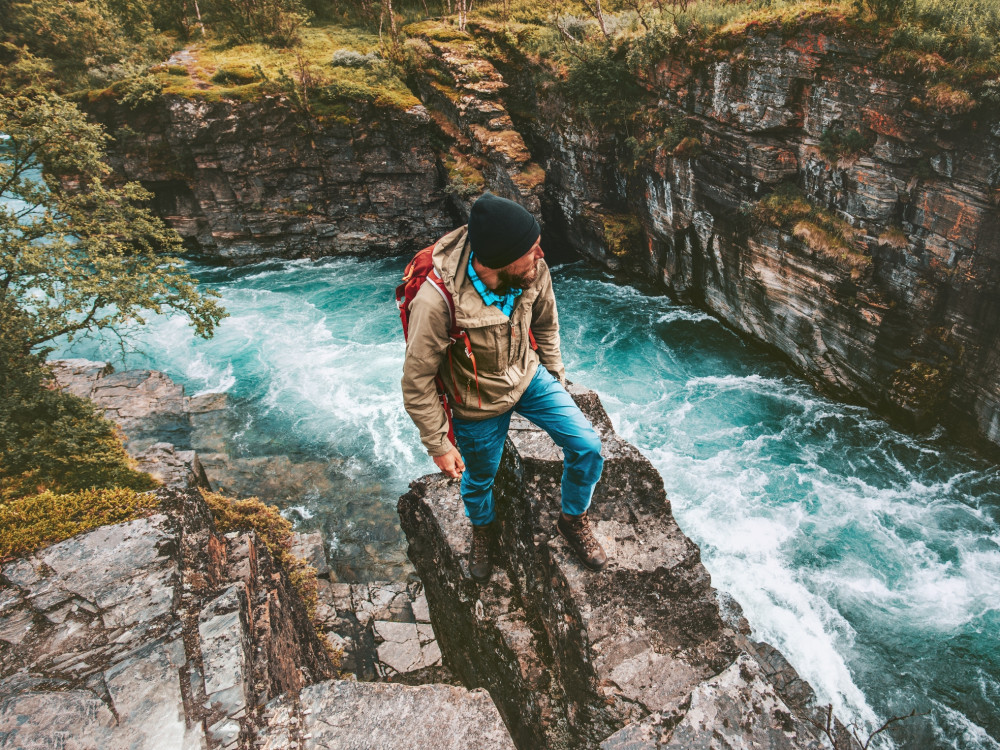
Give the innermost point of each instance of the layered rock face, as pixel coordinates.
(244, 181)
(904, 315)
(636, 656)
(157, 633)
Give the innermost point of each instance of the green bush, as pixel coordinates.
(52, 440)
(274, 22)
(236, 75)
(601, 85)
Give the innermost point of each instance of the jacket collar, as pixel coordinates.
(451, 260)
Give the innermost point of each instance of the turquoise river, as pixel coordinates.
(871, 558)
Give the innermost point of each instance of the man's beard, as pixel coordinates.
(506, 281)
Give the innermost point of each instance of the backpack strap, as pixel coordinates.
(456, 334)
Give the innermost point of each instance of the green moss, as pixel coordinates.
(464, 180)
(622, 233)
(787, 208)
(235, 75)
(30, 523)
(275, 531)
(688, 148)
(530, 177)
(438, 31)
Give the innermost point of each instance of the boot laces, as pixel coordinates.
(586, 535)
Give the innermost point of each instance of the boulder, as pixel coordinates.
(574, 657)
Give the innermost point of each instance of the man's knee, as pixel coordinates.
(586, 449)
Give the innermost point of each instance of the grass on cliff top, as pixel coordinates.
(332, 65)
(951, 46)
(30, 523)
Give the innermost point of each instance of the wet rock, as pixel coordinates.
(160, 425)
(572, 657)
(308, 546)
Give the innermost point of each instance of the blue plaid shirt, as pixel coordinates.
(504, 303)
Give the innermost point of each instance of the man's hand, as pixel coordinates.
(451, 463)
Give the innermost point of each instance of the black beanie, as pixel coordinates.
(500, 231)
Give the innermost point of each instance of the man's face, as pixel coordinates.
(522, 272)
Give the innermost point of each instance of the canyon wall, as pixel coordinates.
(245, 181)
(640, 655)
(887, 294)
(874, 268)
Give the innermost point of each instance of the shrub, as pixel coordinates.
(349, 58)
(274, 22)
(236, 75)
(948, 100)
(602, 86)
(893, 237)
(138, 91)
(53, 440)
(30, 523)
(836, 144)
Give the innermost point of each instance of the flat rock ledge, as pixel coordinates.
(382, 627)
(637, 656)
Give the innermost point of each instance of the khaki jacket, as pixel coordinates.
(505, 360)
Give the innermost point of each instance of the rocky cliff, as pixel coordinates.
(244, 181)
(796, 185)
(637, 656)
(810, 196)
(164, 633)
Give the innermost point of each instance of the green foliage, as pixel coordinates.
(885, 11)
(50, 439)
(622, 233)
(273, 22)
(236, 75)
(75, 254)
(601, 85)
(837, 143)
(88, 42)
(139, 91)
(661, 132)
(30, 523)
(464, 180)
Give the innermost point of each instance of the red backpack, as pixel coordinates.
(419, 270)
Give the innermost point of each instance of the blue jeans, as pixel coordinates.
(548, 405)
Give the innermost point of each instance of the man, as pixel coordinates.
(501, 289)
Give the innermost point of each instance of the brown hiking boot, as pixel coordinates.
(577, 532)
(480, 562)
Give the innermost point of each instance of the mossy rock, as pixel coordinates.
(30, 523)
(235, 75)
(622, 233)
(437, 31)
